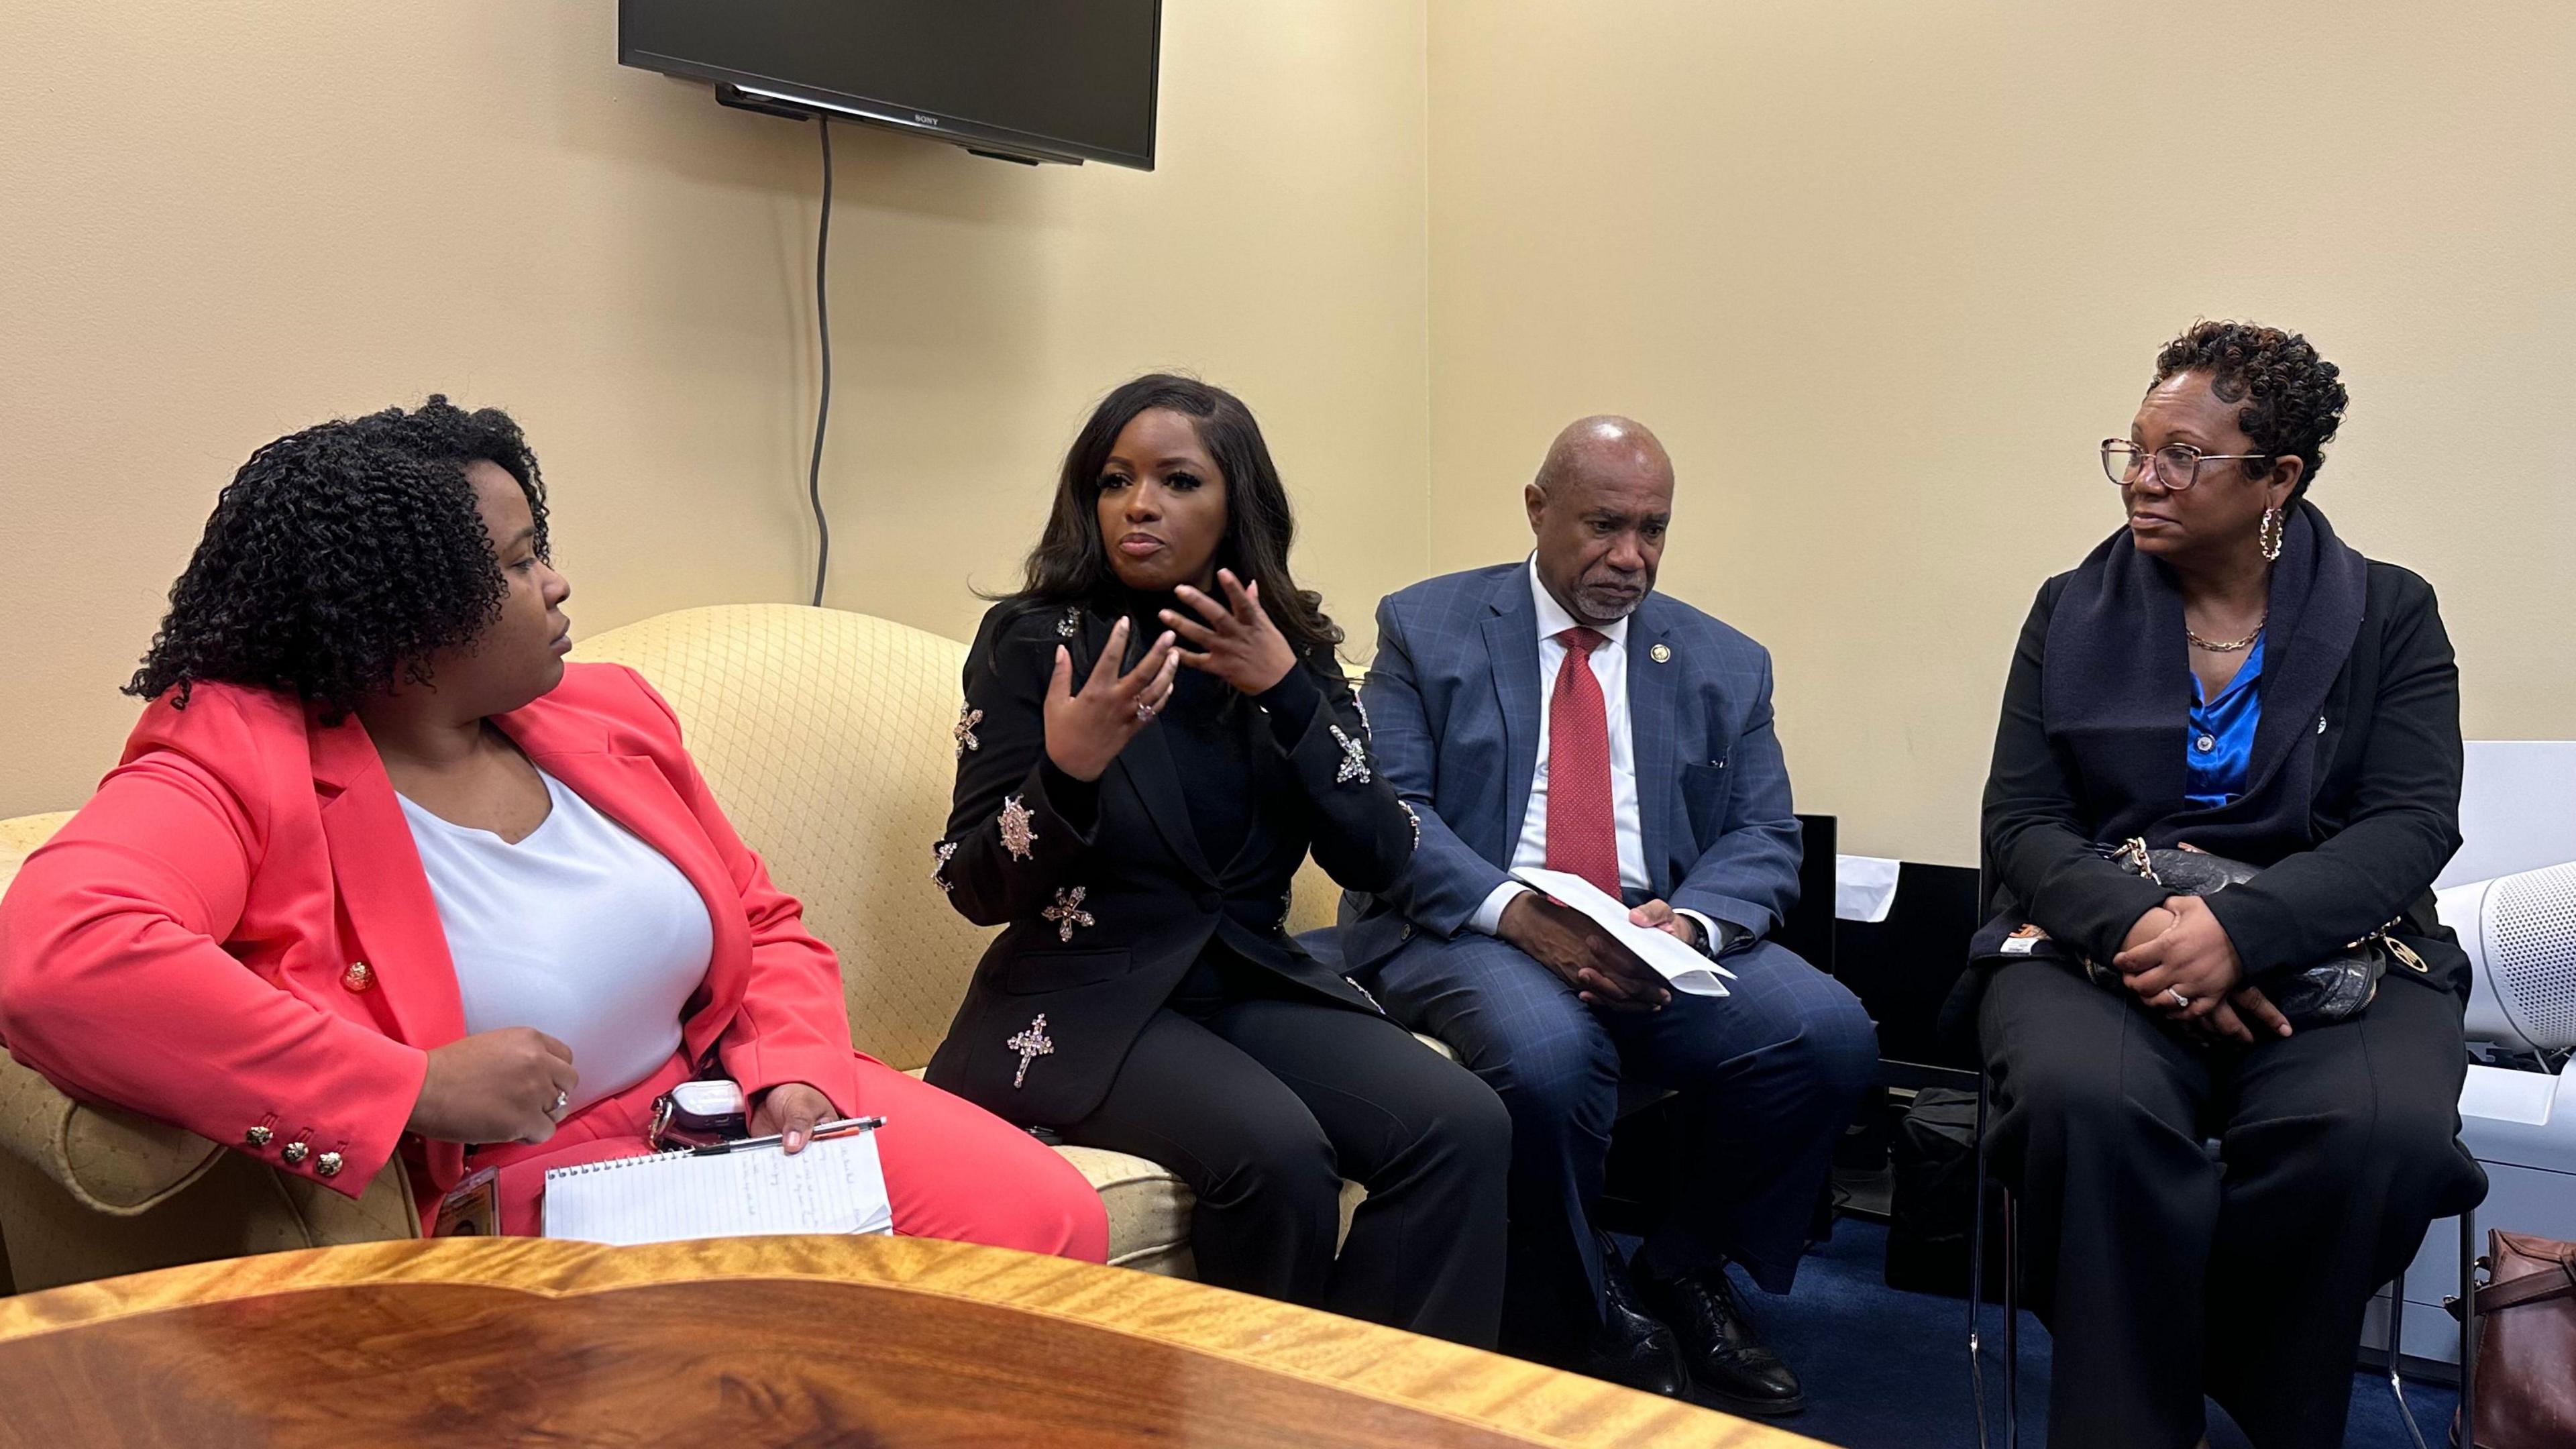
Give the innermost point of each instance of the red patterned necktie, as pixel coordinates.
(1582, 833)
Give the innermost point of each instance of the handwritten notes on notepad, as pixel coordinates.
(836, 1185)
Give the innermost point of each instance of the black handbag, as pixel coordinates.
(2337, 988)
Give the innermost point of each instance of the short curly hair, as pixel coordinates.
(341, 557)
(2293, 399)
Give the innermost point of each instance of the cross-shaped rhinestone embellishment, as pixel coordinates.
(1354, 764)
(964, 731)
(1030, 1044)
(939, 873)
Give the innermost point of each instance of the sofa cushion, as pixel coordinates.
(830, 739)
(1149, 1210)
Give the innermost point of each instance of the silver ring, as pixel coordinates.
(562, 1100)
(1144, 711)
(2178, 998)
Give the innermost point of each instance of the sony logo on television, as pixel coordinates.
(922, 120)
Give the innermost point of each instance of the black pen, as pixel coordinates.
(837, 1127)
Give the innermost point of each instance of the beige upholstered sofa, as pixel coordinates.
(827, 735)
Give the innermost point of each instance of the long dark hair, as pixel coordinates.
(341, 557)
(1070, 564)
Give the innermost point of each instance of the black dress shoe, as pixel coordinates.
(1733, 1367)
(1631, 1346)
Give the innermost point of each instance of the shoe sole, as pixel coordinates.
(1750, 1408)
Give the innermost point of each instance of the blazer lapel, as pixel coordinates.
(1147, 761)
(382, 889)
(632, 790)
(1511, 644)
(1651, 689)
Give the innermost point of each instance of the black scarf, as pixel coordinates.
(2117, 691)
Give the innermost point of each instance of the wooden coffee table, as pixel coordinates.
(881, 1342)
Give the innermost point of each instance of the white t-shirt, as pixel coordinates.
(581, 931)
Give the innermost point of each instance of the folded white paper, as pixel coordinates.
(1674, 960)
(1864, 887)
(836, 1185)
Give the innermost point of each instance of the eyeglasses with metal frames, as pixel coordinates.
(2177, 464)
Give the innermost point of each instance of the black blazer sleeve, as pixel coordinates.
(2402, 819)
(1017, 826)
(2035, 839)
(1362, 834)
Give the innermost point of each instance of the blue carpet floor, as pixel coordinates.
(1888, 1370)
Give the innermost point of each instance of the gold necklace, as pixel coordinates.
(2231, 646)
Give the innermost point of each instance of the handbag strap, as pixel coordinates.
(2535, 1287)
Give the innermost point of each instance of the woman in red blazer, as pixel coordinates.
(238, 935)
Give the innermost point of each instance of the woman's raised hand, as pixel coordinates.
(1237, 642)
(1085, 731)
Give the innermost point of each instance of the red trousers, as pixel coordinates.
(952, 1169)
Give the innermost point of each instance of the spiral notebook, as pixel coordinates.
(836, 1185)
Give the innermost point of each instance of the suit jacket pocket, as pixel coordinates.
(1704, 796)
(1043, 971)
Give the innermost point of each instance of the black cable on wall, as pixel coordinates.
(823, 400)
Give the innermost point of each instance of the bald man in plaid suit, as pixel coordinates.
(1558, 712)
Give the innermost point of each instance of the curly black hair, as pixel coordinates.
(341, 557)
(2293, 399)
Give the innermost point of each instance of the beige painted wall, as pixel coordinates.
(1882, 273)
(222, 221)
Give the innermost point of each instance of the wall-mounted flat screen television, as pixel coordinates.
(1030, 80)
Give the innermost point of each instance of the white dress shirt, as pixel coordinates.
(1609, 663)
(581, 930)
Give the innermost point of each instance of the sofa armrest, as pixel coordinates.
(109, 1160)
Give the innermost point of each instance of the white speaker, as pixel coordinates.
(2520, 933)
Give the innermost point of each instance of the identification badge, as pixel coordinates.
(2024, 939)
(472, 1209)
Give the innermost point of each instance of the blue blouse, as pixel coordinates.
(2220, 747)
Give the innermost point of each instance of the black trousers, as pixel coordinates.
(1264, 1101)
(2165, 1273)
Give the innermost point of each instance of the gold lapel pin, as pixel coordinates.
(1661, 654)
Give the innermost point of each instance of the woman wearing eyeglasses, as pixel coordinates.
(2222, 675)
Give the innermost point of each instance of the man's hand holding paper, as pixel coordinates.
(1614, 969)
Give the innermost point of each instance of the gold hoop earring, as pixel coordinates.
(2269, 533)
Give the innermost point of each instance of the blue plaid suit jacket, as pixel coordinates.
(1453, 702)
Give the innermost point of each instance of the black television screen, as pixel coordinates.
(1043, 80)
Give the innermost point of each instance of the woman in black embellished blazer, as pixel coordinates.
(1155, 733)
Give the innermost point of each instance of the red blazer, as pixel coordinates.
(235, 934)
